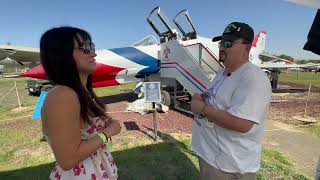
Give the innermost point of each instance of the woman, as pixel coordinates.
(74, 121)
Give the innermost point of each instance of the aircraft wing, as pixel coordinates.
(312, 3)
(310, 65)
(278, 63)
(279, 66)
(19, 53)
(276, 58)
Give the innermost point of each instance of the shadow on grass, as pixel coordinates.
(126, 96)
(167, 159)
(32, 173)
(289, 90)
(161, 161)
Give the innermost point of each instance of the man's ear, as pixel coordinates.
(248, 47)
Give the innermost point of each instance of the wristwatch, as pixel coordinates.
(202, 110)
(202, 115)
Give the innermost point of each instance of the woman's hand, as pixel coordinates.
(112, 128)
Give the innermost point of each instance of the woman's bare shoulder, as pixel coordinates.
(61, 96)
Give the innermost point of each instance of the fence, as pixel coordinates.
(15, 101)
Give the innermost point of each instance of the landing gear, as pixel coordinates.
(165, 98)
(46, 87)
(274, 78)
(274, 83)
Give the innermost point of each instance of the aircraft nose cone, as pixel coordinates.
(35, 72)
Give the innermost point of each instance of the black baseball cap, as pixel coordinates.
(236, 30)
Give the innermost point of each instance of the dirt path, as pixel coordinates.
(302, 148)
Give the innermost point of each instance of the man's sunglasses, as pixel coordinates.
(228, 44)
(87, 47)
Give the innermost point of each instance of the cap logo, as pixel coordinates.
(232, 28)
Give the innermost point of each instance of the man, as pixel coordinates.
(230, 116)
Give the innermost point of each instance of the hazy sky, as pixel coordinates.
(120, 23)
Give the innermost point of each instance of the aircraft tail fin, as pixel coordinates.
(259, 43)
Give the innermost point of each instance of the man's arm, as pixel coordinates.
(226, 120)
(221, 117)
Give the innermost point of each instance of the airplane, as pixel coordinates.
(278, 63)
(117, 66)
(312, 67)
(128, 64)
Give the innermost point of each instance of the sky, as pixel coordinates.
(119, 23)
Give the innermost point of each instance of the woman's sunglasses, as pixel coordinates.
(87, 47)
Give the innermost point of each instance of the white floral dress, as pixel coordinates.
(99, 165)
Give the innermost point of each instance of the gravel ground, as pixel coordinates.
(172, 121)
(283, 108)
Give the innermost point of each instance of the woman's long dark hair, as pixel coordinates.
(56, 54)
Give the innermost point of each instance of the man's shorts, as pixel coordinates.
(208, 172)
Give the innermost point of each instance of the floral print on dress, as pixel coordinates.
(100, 165)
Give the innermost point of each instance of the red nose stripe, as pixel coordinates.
(103, 76)
(35, 72)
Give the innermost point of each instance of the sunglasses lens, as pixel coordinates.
(93, 47)
(227, 44)
(88, 47)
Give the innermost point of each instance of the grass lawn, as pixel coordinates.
(24, 156)
(9, 99)
(114, 89)
(313, 129)
(300, 78)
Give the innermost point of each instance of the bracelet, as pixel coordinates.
(106, 136)
(103, 137)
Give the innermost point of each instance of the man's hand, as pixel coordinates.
(197, 103)
(197, 96)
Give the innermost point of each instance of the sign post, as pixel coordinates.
(153, 95)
